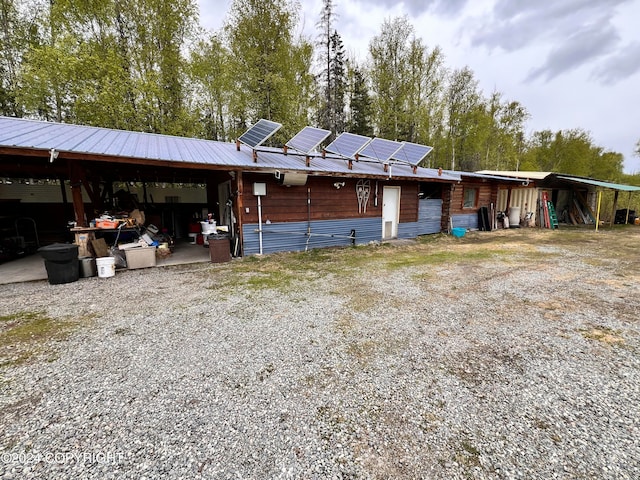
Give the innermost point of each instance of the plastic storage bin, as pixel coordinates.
(141, 257)
(458, 232)
(61, 262)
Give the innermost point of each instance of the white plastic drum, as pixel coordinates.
(514, 215)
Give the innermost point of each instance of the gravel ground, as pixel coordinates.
(510, 354)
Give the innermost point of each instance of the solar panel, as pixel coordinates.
(259, 133)
(380, 149)
(412, 153)
(308, 139)
(348, 144)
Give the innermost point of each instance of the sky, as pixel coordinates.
(571, 63)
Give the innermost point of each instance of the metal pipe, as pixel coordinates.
(260, 223)
(306, 247)
(350, 237)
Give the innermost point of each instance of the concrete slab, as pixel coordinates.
(31, 268)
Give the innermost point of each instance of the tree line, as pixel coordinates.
(147, 65)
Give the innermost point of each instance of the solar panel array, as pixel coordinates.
(348, 144)
(380, 149)
(259, 133)
(307, 139)
(412, 153)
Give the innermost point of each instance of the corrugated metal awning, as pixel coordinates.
(598, 183)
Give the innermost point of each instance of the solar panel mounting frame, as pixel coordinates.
(415, 160)
(259, 133)
(318, 135)
(385, 153)
(355, 148)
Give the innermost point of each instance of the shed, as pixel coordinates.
(574, 199)
(270, 199)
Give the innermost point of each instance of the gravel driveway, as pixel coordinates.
(509, 354)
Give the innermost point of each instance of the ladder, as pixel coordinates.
(553, 218)
(544, 204)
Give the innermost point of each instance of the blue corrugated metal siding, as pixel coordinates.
(291, 236)
(408, 230)
(469, 221)
(429, 216)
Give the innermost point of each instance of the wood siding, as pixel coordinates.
(290, 204)
(487, 193)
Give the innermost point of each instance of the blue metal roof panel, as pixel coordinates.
(24, 133)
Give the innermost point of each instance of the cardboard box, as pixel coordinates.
(141, 257)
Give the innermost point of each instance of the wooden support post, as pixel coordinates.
(615, 207)
(307, 161)
(75, 174)
(598, 209)
(237, 187)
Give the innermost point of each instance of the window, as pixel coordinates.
(470, 197)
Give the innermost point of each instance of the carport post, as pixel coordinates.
(598, 210)
(75, 175)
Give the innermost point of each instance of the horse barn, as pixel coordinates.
(69, 183)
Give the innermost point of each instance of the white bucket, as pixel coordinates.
(106, 266)
(208, 228)
(514, 215)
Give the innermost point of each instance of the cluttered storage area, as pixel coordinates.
(134, 224)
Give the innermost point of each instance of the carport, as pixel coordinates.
(600, 186)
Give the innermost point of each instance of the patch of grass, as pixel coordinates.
(276, 279)
(24, 335)
(603, 334)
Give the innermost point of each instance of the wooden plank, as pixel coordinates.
(100, 247)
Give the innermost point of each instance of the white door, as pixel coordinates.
(390, 212)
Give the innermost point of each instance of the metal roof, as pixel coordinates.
(190, 152)
(550, 176)
(488, 176)
(598, 183)
(517, 174)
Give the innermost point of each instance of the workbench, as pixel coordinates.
(84, 236)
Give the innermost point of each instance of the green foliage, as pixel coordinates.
(212, 85)
(390, 53)
(144, 65)
(360, 108)
(271, 70)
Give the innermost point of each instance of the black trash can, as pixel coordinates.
(219, 248)
(61, 262)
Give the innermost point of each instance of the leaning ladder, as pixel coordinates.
(553, 218)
